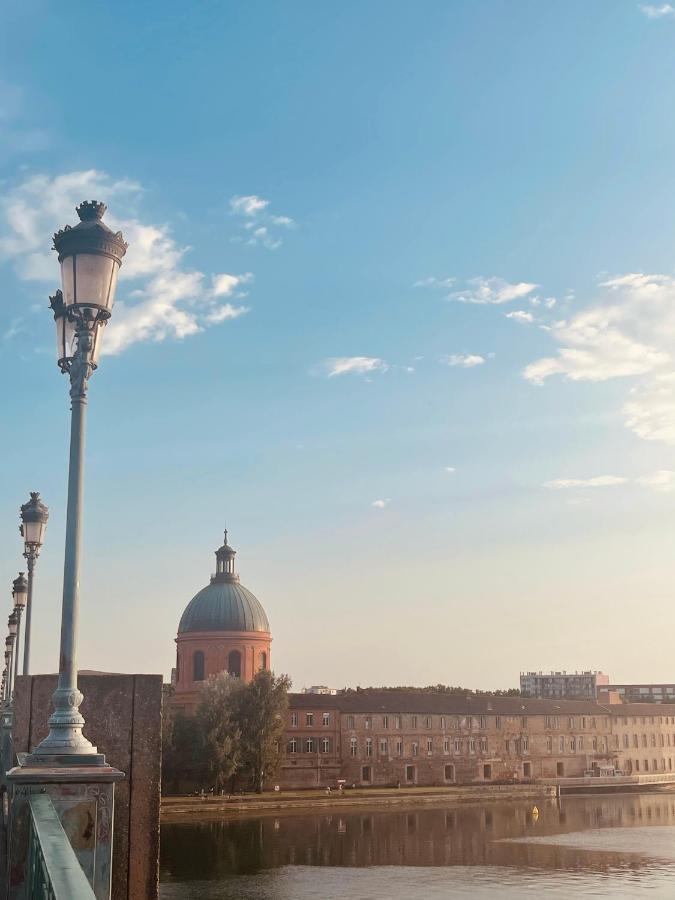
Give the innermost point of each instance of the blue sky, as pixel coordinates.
(398, 308)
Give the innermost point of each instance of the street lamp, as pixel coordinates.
(34, 515)
(90, 255)
(20, 596)
(9, 644)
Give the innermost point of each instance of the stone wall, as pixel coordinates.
(123, 715)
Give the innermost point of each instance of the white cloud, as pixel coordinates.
(520, 315)
(158, 297)
(351, 365)
(492, 290)
(432, 281)
(662, 480)
(259, 223)
(627, 332)
(450, 469)
(657, 12)
(465, 360)
(380, 504)
(597, 481)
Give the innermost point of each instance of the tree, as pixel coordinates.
(219, 731)
(260, 714)
(182, 750)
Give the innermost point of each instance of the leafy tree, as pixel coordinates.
(182, 756)
(219, 731)
(260, 711)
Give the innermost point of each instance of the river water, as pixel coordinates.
(618, 846)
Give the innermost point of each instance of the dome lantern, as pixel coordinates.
(225, 563)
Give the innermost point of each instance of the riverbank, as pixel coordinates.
(190, 808)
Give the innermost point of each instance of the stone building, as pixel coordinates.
(385, 738)
(224, 628)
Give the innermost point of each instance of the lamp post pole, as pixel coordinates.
(90, 256)
(34, 516)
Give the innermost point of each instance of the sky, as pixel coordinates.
(398, 310)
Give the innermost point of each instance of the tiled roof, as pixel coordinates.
(430, 702)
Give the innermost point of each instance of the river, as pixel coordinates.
(618, 846)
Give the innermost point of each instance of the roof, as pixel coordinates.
(224, 606)
(432, 702)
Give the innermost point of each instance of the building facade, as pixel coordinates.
(224, 628)
(637, 693)
(391, 738)
(562, 685)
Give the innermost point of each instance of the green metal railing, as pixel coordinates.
(53, 870)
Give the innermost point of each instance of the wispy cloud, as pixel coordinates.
(480, 290)
(381, 504)
(597, 482)
(350, 365)
(259, 226)
(662, 481)
(627, 332)
(450, 470)
(657, 12)
(159, 297)
(520, 315)
(464, 360)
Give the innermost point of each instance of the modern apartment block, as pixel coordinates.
(637, 693)
(562, 685)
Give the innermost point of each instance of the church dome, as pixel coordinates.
(224, 604)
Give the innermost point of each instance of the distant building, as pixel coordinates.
(320, 689)
(562, 685)
(637, 693)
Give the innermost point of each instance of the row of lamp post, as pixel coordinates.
(34, 516)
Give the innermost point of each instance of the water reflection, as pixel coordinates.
(430, 837)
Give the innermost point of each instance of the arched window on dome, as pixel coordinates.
(234, 663)
(263, 661)
(198, 666)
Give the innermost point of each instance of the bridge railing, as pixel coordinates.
(53, 870)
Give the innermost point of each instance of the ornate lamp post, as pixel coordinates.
(10, 642)
(34, 516)
(20, 595)
(90, 255)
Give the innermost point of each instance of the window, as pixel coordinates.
(263, 661)
(625, 740)
(413, 721)
(507, 747)
(384, 747)
(472, 745)
(397, 721)
(309, 745)
(442, 723)
(415, 748)
(353, 746)
(449, 772)
(458, 745)
(487, 771)
(580, 743)
(292, 746)
(469, 722)
(366, 774)
(573, 744)
(234, 663)
(592, 721)
(561, 743)
(410, 774)
(309, 719)
(399, 747)
(583, 722)
(198, 666)
(644, 740)
(369, 746)
(385, 722)
(549, 744)
(325, 745)
(498, 721)
(594, 743)
(636, 741)
(560, 769)
(484, 744)
(325, 719)
(523, 721)
(369, 722)
(637, 765)
(430, 746)
(455, 722)
(428, 722)
(570, 723)
(350, 722)
(446, 745)
(524, 743)
(482, 722)
(527, 770)
(294, 720)
(653, 740)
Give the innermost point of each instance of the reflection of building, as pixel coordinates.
(637, 693)
(565, 685)
(223, 629)
(380, 738)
